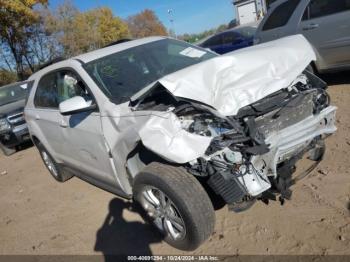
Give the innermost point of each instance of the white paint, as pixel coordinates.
(247, 13)
(164, 135)
(192, 52)
(240, 78)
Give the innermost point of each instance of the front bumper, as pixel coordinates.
(15, 136)
(284, 144)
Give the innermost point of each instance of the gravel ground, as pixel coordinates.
(41, 216)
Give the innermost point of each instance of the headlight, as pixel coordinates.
(4, 125)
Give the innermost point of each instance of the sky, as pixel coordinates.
(190, 16)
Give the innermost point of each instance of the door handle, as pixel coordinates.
(37, 117)
(310, 27)
(63, 123)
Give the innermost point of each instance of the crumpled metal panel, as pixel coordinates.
(226, 83)
(269, 124)
(242, 77)
(164, 135)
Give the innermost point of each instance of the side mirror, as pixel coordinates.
(75, 105)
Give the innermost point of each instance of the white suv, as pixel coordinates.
(180, 129)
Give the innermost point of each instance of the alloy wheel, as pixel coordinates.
(163, 212)
(49, 163)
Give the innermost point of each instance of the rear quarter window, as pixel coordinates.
(281, 15)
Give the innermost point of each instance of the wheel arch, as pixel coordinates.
(139, 158)
(35, 140)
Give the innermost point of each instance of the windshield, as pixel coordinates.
(123, 74)
(10, 94)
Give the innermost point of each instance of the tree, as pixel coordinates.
(145, 24)
(43, 46)
(192, 38)
(16, 20)
(106, 27)
(79, 32)
(7, 77)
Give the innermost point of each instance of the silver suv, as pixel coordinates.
(182, 130)
(324, 23)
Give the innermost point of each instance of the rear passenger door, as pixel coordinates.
(46, 114)
(278, 22)
(326, 24)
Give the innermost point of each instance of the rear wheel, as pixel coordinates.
(7, 150)
(176, 203)
(54, 169)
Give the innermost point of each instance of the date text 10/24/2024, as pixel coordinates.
(173, 258)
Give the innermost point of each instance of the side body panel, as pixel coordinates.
(330, 36)
(75, 141)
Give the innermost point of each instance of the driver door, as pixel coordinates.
(83, 145)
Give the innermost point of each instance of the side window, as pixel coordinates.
(319, 8)
(281, 15)
(215, 40)
(69, 85)
(228, 38)
(46, 92)
(57, 87)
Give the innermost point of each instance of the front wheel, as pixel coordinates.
(176, 204)
(51, 165)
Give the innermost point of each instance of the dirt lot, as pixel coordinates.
(41, 216)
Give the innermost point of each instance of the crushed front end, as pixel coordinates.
(253, 155)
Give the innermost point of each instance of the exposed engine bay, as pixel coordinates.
(253, 154)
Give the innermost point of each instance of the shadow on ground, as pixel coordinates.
(120, 237)
(24, 146)
(338, 78)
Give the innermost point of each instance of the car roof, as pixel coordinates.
(277, 3)
(96, 54)
(237, 28)
(99, 53)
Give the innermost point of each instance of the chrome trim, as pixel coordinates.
(20, 128)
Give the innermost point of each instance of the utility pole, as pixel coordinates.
(171, 19)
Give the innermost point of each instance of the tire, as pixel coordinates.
(55, 170)
(311, 69)
(7, 150)
(185, 204)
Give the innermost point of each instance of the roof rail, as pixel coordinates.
(120, 41)
(51, 62)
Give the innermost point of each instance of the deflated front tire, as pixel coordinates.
(176, 204)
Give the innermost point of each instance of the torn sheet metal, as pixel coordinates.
(242, 77)
(164, 135)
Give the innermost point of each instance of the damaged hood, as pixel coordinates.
(232, 81)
